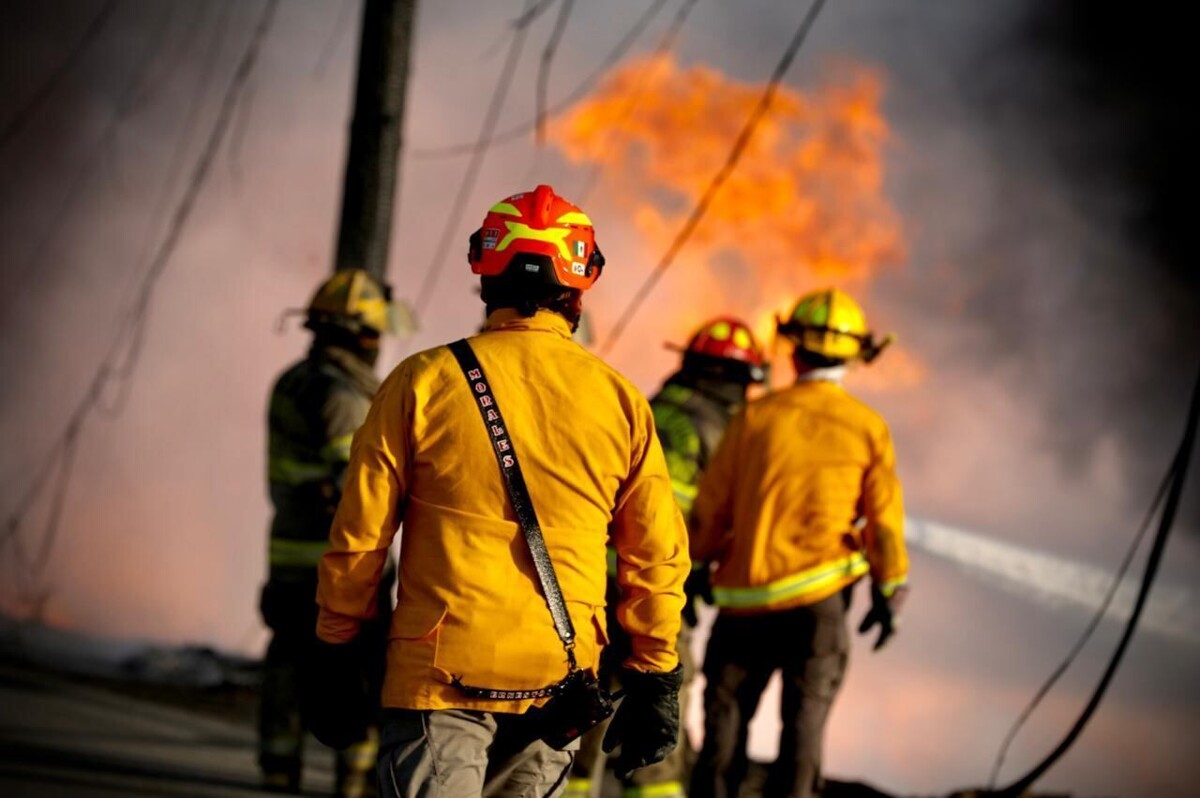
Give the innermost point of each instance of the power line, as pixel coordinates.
(336, 31)
(665, 45)
(134, 322)
(719, 179)
(1177, 479)
(531, 13)
(454, 218)
(27, 111)
(547, 63)
(122, 110)
(524, 128)
(1069, 660)
(62, 451)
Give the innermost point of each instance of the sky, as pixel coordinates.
(1017, 159)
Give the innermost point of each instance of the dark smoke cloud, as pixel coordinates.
(1091, 96)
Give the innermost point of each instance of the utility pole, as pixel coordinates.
(369, 190)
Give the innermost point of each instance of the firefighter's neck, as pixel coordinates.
(807, 373)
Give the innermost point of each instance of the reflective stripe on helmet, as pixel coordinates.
(574, 217)
(794, 586)
(297, 553)
(506, 208)
(554, 235)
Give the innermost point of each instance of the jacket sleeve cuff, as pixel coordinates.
(335, 628)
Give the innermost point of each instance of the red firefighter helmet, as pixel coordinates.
(537, 233)
(726, 345)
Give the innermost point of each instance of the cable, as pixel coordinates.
(454, 218)
(336, 31)
(531, 13)
(1069, 660)
(719, 179)
(134, 322)
(27, 111)
(1178, 477)
(547, 63)
(519, 130)
(123, 108)
(62, 451)
(665, 45)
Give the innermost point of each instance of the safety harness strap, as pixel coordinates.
(518, 494)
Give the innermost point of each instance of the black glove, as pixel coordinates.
(884, 612)
(336, 704)
(646, 725)
(697, 586)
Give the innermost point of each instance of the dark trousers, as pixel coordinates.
(810, 645)
(288, 606)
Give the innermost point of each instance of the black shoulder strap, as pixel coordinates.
(518, 493)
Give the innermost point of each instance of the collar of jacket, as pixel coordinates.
(833, 374)
(355, 368)
(542, 321)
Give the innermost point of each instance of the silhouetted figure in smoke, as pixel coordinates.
(316, 406)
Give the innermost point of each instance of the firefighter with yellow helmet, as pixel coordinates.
(509, 475)
(691, 410)
(800, 501)
(315, 407)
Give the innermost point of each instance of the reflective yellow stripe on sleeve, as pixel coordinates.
(888, 587)
(794, 586)
(295, 472)
(612, 561)
(297, 553)
(338, 449)
(685, 495)
(578, 788)
(666, 789)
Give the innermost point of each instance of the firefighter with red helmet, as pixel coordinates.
(691, 410)
(483, 662)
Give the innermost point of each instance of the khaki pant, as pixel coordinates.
(810, 645)
(459, 753)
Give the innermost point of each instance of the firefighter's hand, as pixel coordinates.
(646, 725)
(884, 613)
(336, 703)
(697, 586)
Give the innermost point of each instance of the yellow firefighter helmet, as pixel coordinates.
(829, 323)
(353, 299)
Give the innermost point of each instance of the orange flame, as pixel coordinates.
(804, 207)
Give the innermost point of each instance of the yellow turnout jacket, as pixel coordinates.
(800, 500)
(469, 604)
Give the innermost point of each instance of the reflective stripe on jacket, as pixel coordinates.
(469, 604)
(316, 406)
(690, 424)
(800, 500)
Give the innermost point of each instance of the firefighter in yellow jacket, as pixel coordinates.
(800, 501)
(474, 651)
(316, 405)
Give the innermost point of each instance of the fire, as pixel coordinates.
(804, 208)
